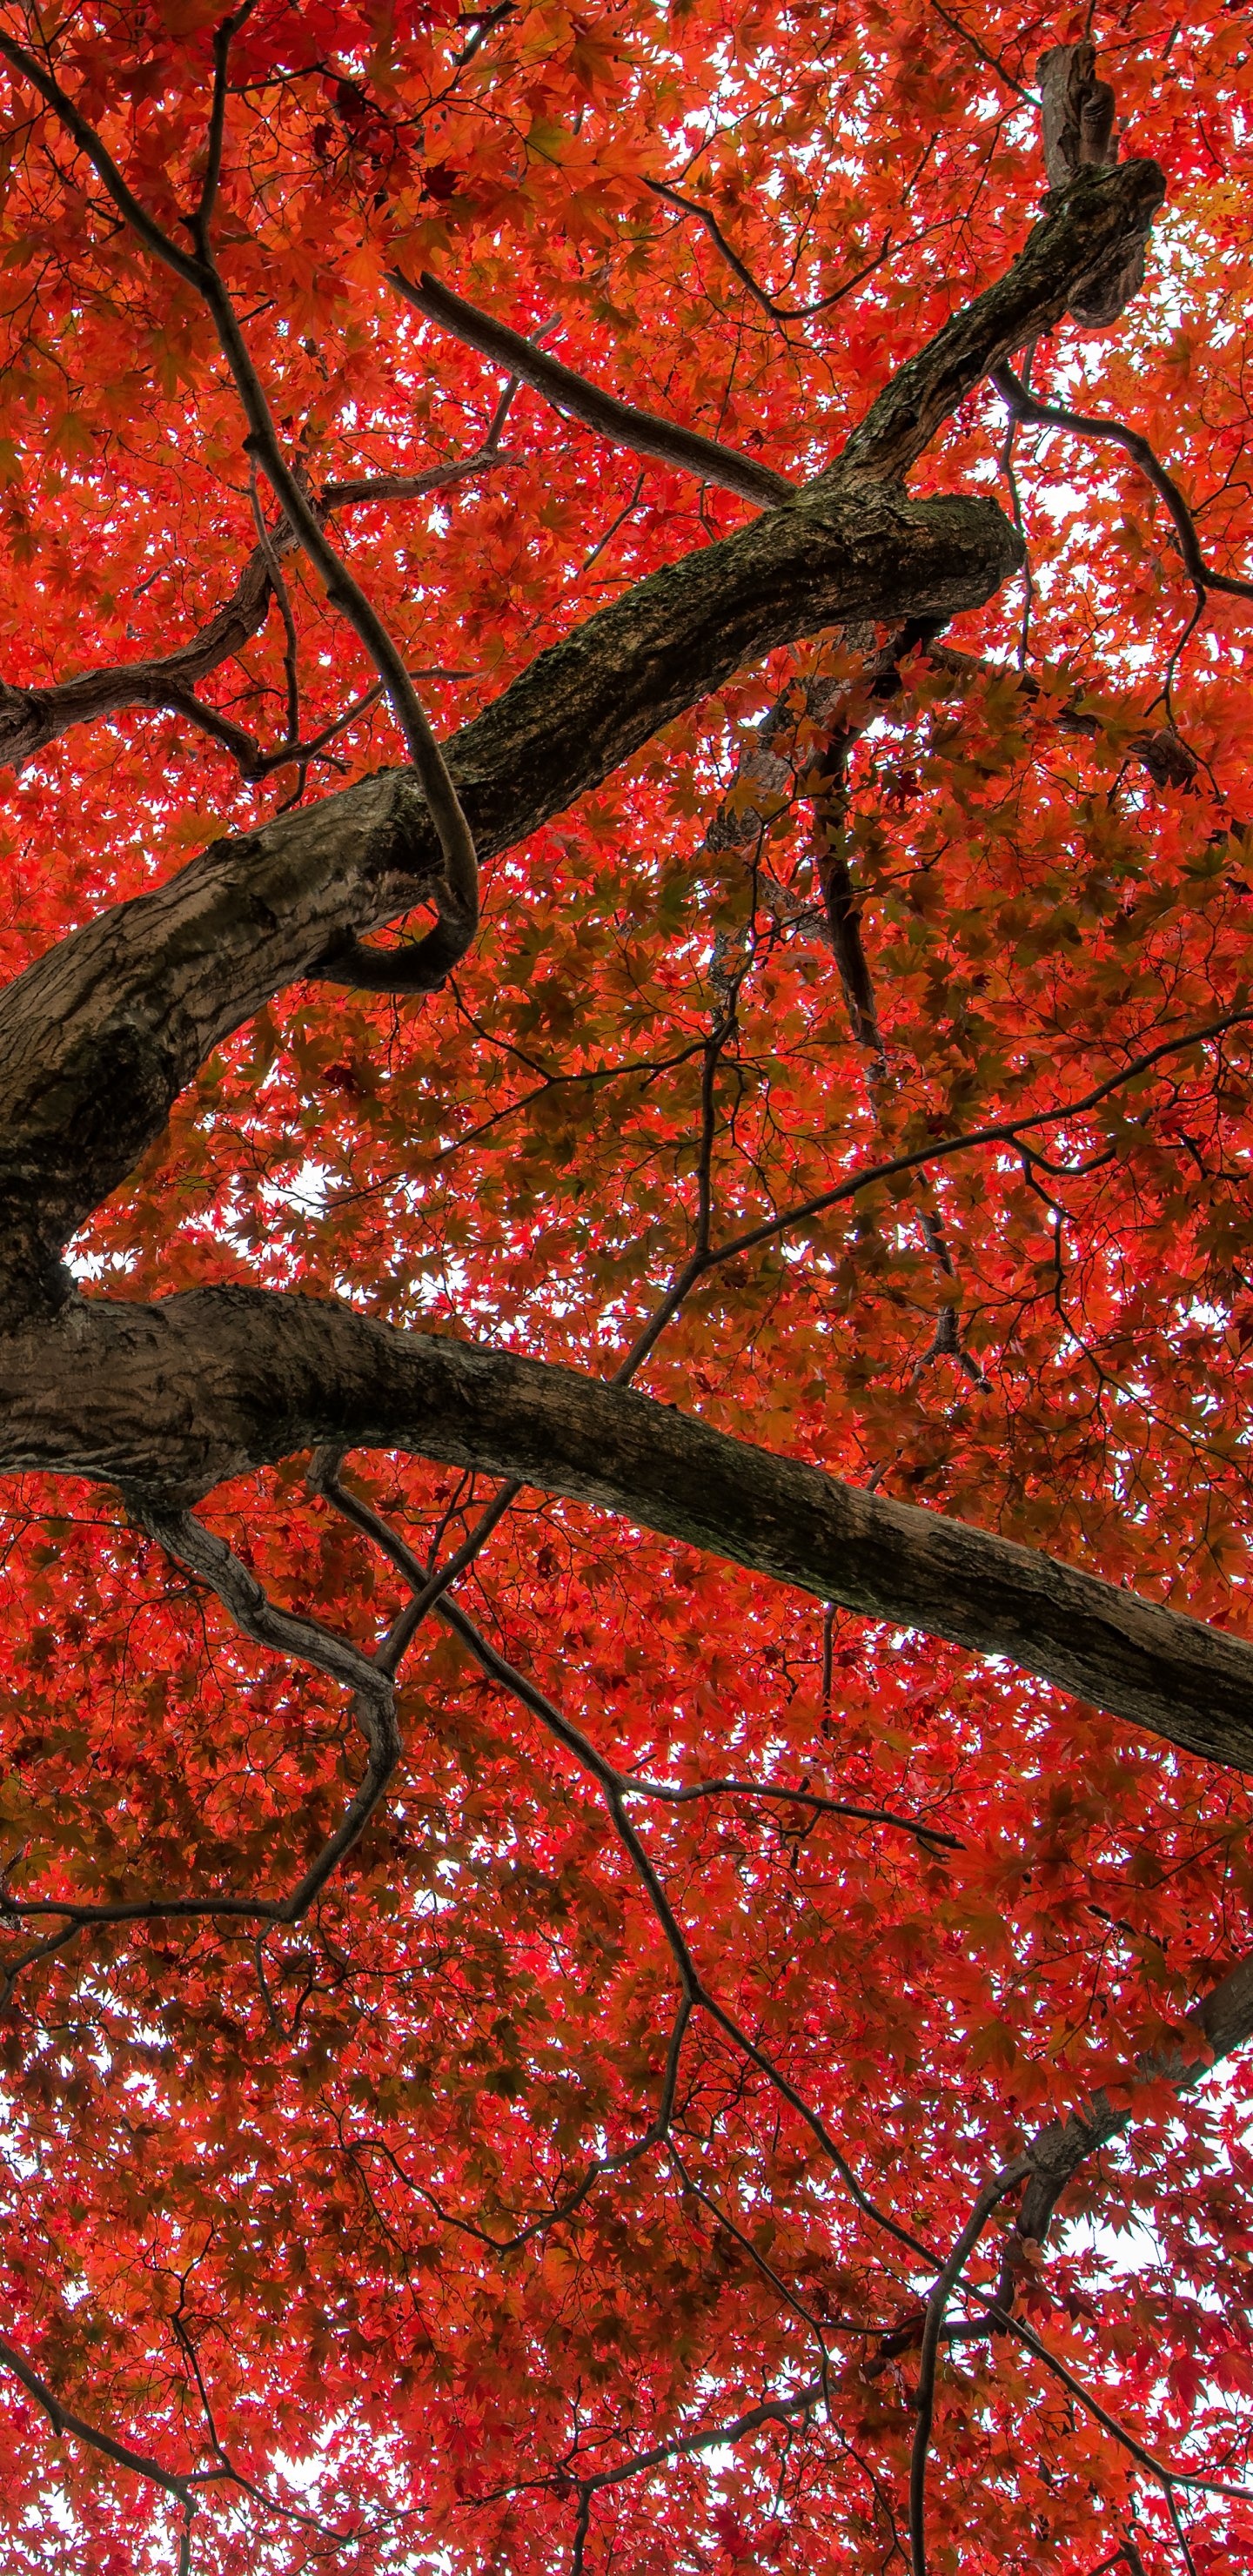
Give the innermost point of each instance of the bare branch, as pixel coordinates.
(63, 2420)
(457, 895)
(173, 1398)
(279, 588)
(645, 432)
(31, 718)
(364, 490)
(682, 1794)
(1076, 113)
(991, 62)
(255, 1615)
(772, 2410)
(41, 78)
(937, 2308)
(1223, 2021)
(775, 312)
(223, 37)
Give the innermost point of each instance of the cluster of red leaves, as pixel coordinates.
(297, 2206)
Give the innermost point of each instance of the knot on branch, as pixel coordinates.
(1077, 114)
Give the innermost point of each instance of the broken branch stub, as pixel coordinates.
(1077, 116)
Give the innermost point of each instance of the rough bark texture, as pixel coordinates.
(99, 1037)
(171, 1399)
(1085, 240)
(1077, 115)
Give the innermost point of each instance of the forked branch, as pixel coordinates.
(457, 894)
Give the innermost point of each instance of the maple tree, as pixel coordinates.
(627, 1288)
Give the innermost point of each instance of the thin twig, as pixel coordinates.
(776, 312)
(432, 957)
(279, 587)
(363, 490)
(223, 38)
(992, 62)
(255, 1615)
(636, 1787)
(937, 2305)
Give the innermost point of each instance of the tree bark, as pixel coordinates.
(1089, 235)
(169, 1400)
(98, 1038)
(1223, 2020)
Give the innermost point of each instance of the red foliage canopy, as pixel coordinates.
(690, 2077)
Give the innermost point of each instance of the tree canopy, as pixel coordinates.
(626, 1288)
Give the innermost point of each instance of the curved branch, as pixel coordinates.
(63, 2421)
(31, 718)
(1082, 242)
(455, 893)
(681, 1794)
(775, 312)
(98, 1038)
(1024, 406)
(187, 1540)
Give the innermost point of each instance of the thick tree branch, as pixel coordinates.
(168, 1400)
(1081, 242)
(99, 1037)
(772, 770)
(97, 1040)
(1076, 113)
